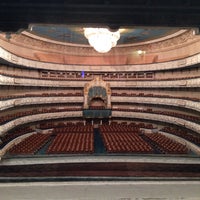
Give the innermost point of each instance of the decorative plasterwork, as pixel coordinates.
(95, 83)
(181, 37)
(162, 118)
(159, 101)
(187, 83)
(171, 43)
(6, 104)
(141, 35)
(30, 41)
(192, 60)
(14, 142)
(38, 117)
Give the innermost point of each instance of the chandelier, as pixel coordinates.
(101, 39)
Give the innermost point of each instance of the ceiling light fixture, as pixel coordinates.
(101, 39)
(141, 52)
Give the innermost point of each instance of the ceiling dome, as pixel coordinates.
(75, 34)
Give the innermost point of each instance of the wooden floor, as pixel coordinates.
(115, 169)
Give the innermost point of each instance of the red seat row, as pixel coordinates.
(167, 145)
(40, 95)
(168, 113)
(72, 143)
(15, 133)
(154, 95)
(31, 144)
(10, 117)
(74, 129)
(123, 140)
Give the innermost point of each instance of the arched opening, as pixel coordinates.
(97, 93)
(97, 103)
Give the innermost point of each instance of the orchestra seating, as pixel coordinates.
(31, 144)
(73, 128)
(72, 143)
(167, 145)
(76, 138)
(72, 139)
(123, 139)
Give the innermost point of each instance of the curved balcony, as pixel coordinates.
(169, 65)
(6, 104)
(37, 117)
(38, 100)
(155, 117)
(115, 113)
(184, 83)
(159, 101)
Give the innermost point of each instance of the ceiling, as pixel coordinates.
(18, 14)
(63, 20)
(75, 34)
